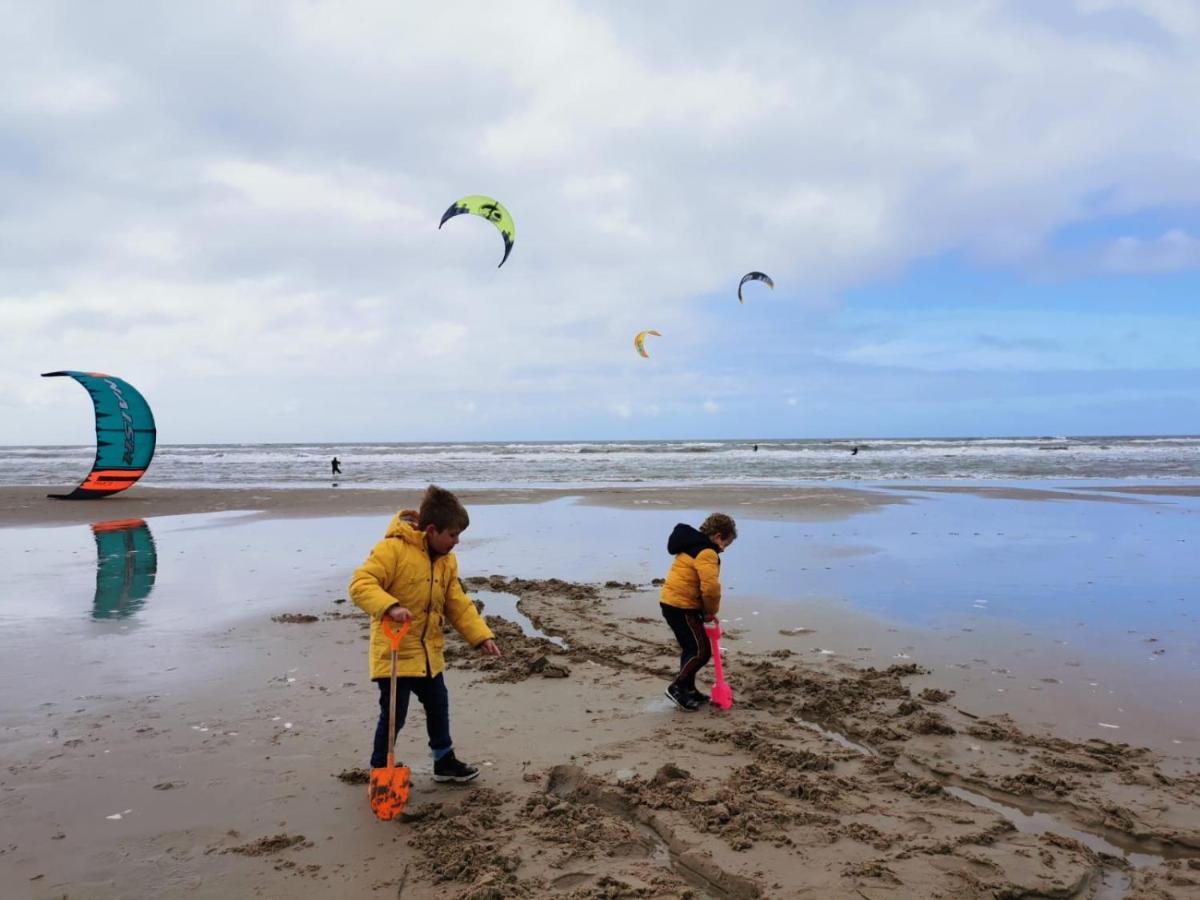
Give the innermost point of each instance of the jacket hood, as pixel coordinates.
(686, 539)
(404, 527)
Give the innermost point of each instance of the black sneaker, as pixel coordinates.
(683, 700)
(700, 697)
(448, 768)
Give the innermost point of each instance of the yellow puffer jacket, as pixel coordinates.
(399, 570)
(694, 581)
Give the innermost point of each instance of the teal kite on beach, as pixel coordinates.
(125, 435)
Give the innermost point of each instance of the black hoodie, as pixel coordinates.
(686, 539)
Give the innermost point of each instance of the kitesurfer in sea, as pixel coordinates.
(337, 466)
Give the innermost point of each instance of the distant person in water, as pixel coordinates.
(337, 466)
(756, 448)
(854, 452)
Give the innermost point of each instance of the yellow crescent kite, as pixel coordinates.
(639, 342)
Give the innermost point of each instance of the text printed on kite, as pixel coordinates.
(125, 435)
(639, 342)
(490, 209)
(754, 276)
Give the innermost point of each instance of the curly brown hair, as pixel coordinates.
(719, 523)
(441, 509)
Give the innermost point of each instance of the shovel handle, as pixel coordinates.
(394, 636)
(714, 640)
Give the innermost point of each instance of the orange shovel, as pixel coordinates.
(389, 786)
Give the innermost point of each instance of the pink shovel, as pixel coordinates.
(722, 693)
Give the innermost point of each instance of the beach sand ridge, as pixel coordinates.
(592, 785)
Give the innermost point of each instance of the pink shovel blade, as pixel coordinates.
(722, 693)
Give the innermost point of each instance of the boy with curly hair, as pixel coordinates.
(412, 576)
(691, 596)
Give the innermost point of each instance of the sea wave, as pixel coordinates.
(635, 462)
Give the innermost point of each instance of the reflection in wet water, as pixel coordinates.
(126, 565)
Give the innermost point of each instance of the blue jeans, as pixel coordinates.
(432, 694)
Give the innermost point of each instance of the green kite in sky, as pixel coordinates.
(492, 210)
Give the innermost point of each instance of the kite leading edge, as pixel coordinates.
(754, 276)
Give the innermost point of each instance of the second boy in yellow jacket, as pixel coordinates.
(691, 596)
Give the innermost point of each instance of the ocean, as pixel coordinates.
(641, 463)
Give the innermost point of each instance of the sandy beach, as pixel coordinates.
(218, 749)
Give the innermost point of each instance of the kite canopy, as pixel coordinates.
(126, 564)
(490, 209)
(125, 435)
(639, 342)
(754, 276)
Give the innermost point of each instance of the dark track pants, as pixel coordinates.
(431, 692)
(688, 625)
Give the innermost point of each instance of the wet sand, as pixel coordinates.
(822, 781)
(29, 505)
(861, 759)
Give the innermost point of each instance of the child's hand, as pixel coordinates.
(398, 613)
(489, 647)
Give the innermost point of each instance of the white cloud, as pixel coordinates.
(280, 190)
(621, 409)
(437, 338)
(1173, 251)
(150, 243)
(711, 406)
(70, 95)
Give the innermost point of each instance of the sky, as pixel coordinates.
(982, 217)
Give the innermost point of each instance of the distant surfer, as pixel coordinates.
(337, 466)
(854, 452)
(756, 448)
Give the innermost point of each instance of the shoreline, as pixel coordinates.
(29, 505)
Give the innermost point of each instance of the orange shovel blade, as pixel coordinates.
(388, 791)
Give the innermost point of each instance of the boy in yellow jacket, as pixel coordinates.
(412, 576)
(691, 596)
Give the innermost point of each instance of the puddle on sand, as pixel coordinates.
(1113, 884)
(1039, 822)
(840, 739)
(126, 565)
(503, 604)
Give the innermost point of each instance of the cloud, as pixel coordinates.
(1173, 251)
(1021, 340)
(248, 190)
(279, 190)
